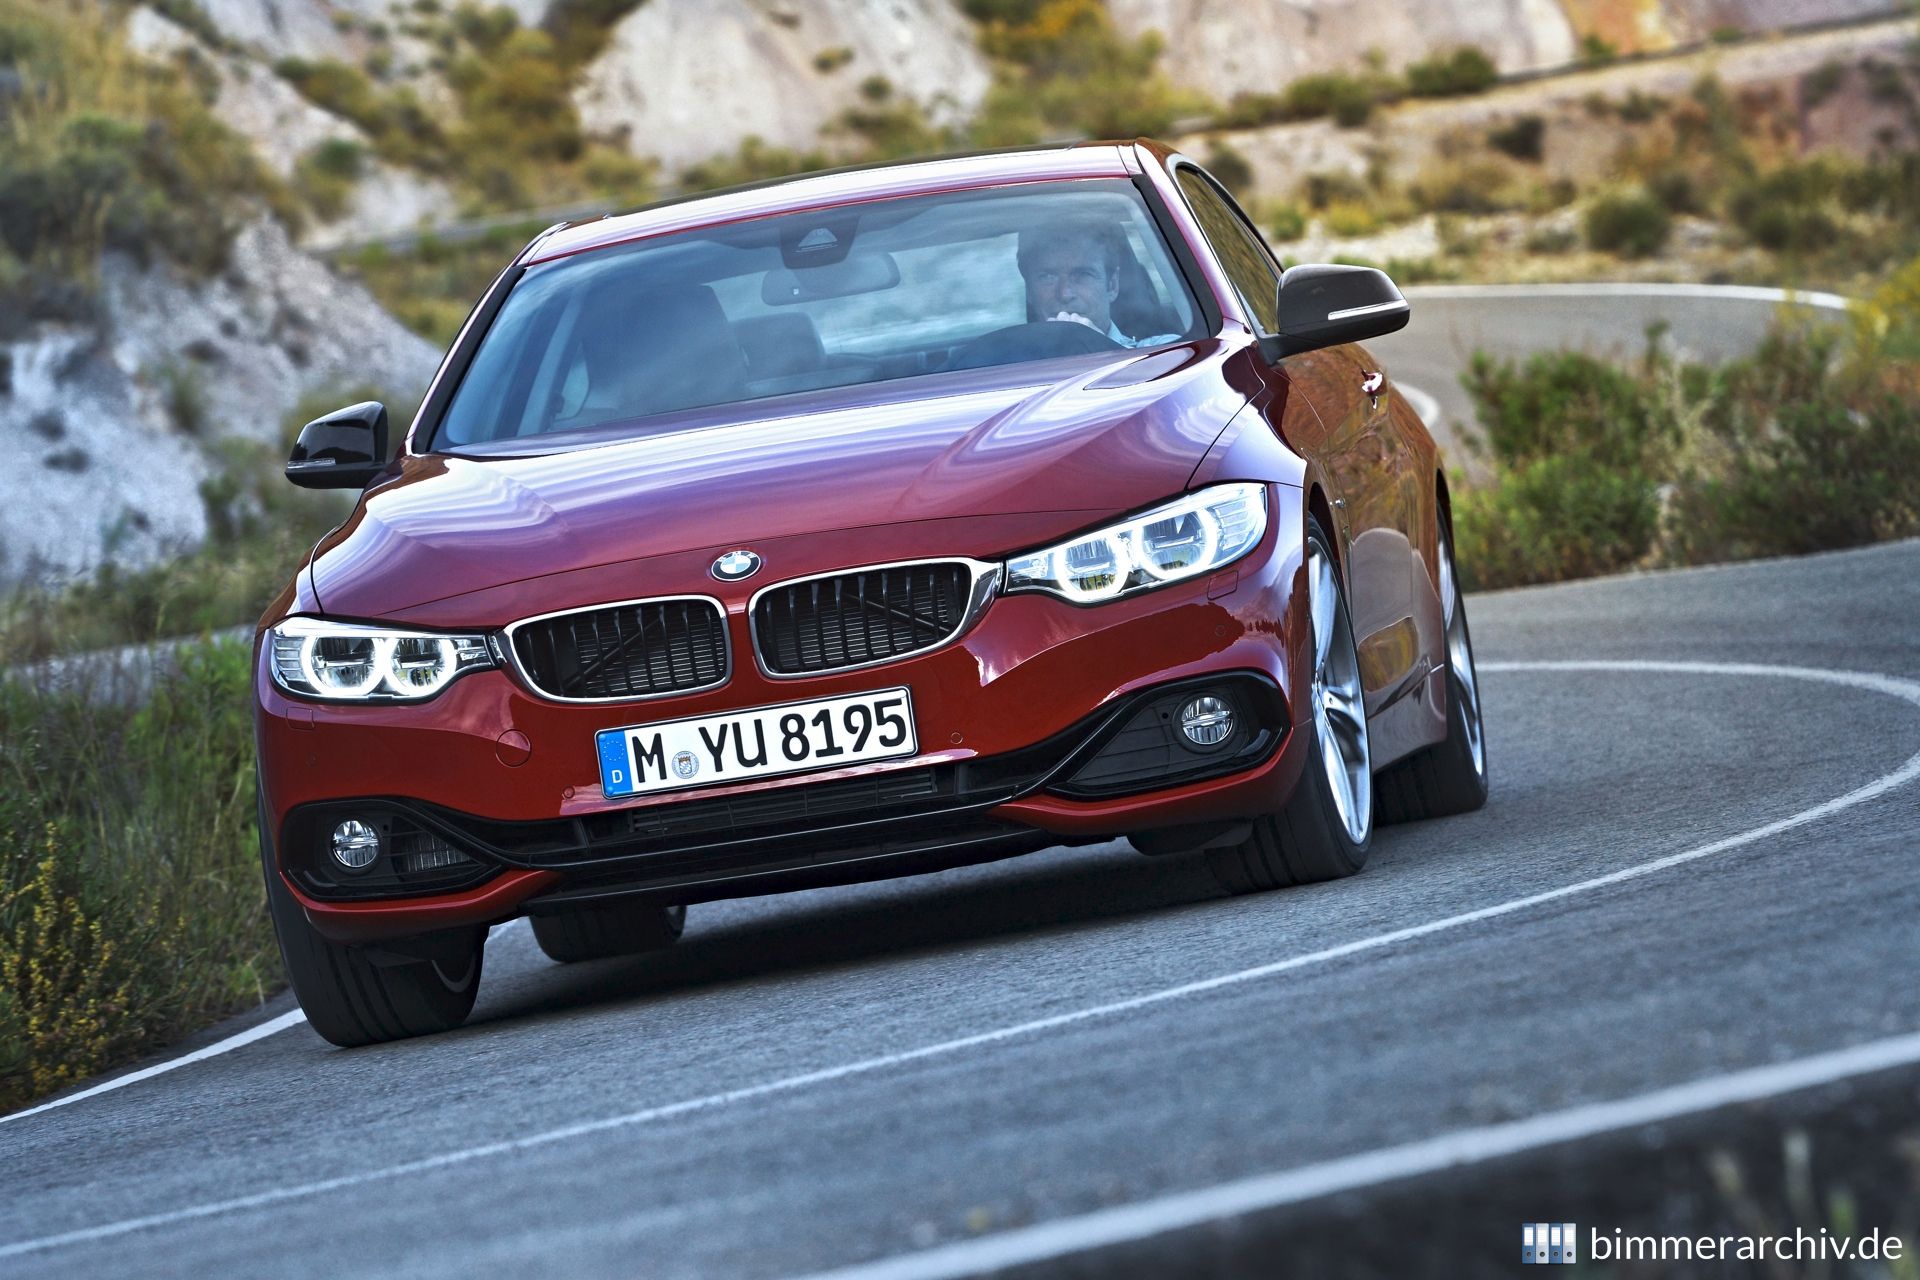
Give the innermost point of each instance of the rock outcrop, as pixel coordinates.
(106, 432)
(683, 80)
(1227, 47)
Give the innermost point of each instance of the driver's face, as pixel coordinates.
(1073, 277)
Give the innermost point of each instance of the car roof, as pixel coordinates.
(837, 187)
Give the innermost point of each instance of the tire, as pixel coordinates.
(352, 999)
(1324, 830)
(610, 929)
(1450, 776)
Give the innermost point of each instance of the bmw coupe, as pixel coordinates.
(856, 525)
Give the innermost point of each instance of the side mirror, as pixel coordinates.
(1324, 305)
(343, 450)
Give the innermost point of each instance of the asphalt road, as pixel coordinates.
(818, 1080)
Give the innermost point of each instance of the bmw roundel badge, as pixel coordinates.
(736, 565)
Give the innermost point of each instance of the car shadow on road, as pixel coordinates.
(1057, 890)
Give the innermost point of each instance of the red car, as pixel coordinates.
(853, 526)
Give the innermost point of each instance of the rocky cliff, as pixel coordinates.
(683, 79)
(106, 430)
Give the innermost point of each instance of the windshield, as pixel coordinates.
(830, 298)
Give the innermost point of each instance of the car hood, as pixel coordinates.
(1110, 436)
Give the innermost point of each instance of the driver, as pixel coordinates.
(1073, 274)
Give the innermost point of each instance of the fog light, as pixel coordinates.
(1207, 721)
(355, 845)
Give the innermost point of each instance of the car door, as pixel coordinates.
(1348, 436)
(1374, 473)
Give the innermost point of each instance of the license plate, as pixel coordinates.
(759, 743)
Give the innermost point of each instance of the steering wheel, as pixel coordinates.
(1036, 340)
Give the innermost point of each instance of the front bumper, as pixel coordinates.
(1008, 717)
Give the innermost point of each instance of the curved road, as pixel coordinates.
(1697, 870)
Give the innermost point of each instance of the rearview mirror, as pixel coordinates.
(1324, 305)
(855, 273)
(343, 450)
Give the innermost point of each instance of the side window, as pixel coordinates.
(1246, 262)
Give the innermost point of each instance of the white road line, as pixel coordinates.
(1128, 1223)
(1906, 690)
(291, 1018)
(1632, 289)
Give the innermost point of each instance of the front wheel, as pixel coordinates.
(1326, 827)
(358, 996)
(353, 996)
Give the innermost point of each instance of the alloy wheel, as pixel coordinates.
(1339, 709)
(1465, 683)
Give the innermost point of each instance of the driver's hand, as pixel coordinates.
(1076, 318)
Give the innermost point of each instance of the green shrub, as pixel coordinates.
(100, 149)
(1460, 71)
(1630, 223)
(1576, 445)
(1552, 520)
(1286, 221)
(1677, 190)
(1811, 443)
(581, 28)
(1597, 51)
(1523, 138)
(889, 128)
(1822, 83)
(1350, 218)
(1566, 403)
(1639, 108)
(1251, 110)
(1225, 162)
(752, 161)
(130, 901)
(326, 175)
(400, 126)
(1329, 186)
(1789, 209)
(1474, 184)
(1552, 240)
(1350, 100)
(1063, 67)
(1819, 447)
(828, 61)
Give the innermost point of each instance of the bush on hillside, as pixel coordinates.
(103, 150)
(1063, 68)
(1225, 162)
(1453, 73)
(1630, 223)
(1523, 138)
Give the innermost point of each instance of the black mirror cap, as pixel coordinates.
(343, 450)
(1325, 304)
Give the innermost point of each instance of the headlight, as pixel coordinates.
(349, 662)
(1183, 539)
